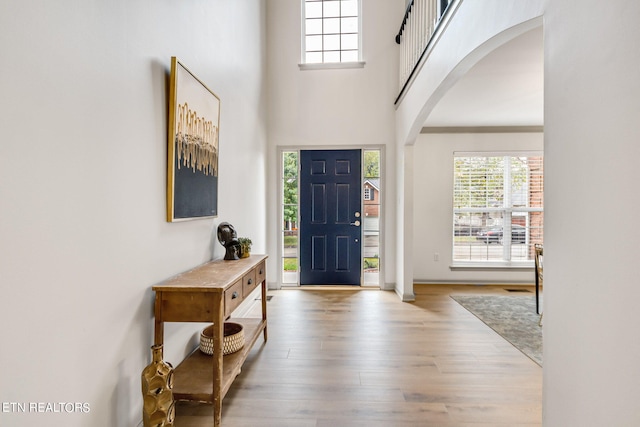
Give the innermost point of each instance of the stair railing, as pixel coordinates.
(421, 21)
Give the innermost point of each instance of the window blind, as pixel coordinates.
(497, 206)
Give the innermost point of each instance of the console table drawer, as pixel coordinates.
(186, 306)
(261, 272)
(249, 283)
(232, 297)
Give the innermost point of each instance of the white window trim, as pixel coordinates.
(328, 65)
(491, 265)
(331, 65)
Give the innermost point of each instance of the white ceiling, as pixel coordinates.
(504, 89)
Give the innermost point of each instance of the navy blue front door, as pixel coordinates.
(330, 232)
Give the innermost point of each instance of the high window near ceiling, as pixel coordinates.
(331, 32)
(497, 207)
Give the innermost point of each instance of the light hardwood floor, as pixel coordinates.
(363, 358)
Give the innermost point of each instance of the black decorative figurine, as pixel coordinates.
(228, 238)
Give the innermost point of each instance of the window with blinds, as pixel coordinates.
(497, 206)
(331, 32)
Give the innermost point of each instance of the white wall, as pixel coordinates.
(433, 204)
(591, 350)
(83, 113)
(333, 107)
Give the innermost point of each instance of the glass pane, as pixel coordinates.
(332, 57)
(372, 164)
(349, 25)
(519, 237)
(519, 181)
(536, 182)
(350, 56)
(349, 7)
(372, 213)
(313, 26)
(313, 43)
(290, 242)
(313, 57)
(290, 164)
(478, 236)
(371, 244)
(479, 182)
(331, 8)
(349, 41)
(290, 217)
(331, 42)
(332, 26)
(491, 228)
(467, 224)
(313, 9)
(371, 193)
(290, 264)
(371, 268)
(290, 270)
(371, 264)
(536, 222)
(372, 278)
(290, 191)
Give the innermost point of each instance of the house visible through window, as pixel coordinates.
(497, 206)
(368, 193)
(331, 31)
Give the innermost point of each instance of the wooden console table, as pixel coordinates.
(210, 293)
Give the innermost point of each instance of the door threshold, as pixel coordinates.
(333, 287)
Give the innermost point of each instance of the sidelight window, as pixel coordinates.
(289, 211)
(372, 210)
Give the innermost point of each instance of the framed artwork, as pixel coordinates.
(193, 151)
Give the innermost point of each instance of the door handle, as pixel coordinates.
(357, 223)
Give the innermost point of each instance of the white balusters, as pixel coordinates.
(418, 26)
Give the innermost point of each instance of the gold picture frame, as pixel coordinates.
(193, 147)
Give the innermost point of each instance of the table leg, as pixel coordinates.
(218, 336)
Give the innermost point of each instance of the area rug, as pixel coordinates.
(512, 317)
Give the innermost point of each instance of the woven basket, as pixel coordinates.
(233, 338)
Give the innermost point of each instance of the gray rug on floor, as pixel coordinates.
(513, 317)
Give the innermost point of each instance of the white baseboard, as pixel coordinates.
(472, 283)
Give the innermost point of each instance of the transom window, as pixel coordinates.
(331, 30)
(497, 206)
